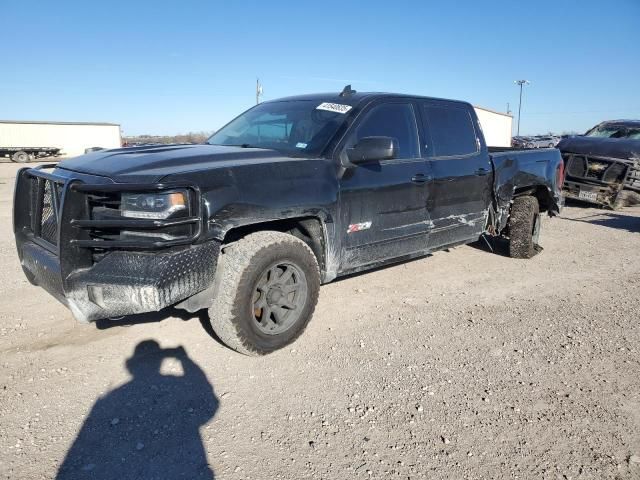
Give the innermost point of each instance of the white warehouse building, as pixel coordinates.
(496, 126)
(72, 138)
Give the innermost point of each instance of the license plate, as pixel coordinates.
(591, 196)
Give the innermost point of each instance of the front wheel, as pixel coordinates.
(524, 227)
(267, 287)
(626, 198)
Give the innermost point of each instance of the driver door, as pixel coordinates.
(383, 204)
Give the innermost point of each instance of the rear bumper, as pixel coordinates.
(124, 283)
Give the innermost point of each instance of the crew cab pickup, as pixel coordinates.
(289, 195)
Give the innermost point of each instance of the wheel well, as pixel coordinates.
(307, 229)
(539, 192)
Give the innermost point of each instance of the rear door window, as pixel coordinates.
(451, 130)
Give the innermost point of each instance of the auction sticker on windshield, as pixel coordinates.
(334, 107)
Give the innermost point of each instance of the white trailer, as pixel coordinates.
(22, 141)
(496, 127)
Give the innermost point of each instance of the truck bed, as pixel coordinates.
(514, 149)
(520, 169)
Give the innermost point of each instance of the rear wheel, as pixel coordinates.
(21, 157)
(267, 288)
(524, 227)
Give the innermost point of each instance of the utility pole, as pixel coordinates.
(521, 83)
(258, 91)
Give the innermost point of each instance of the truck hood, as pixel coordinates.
(623, 148)
(151, 164)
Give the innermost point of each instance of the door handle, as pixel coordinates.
(420, 178)
(482, 171)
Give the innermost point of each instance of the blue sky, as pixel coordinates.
(167, 67)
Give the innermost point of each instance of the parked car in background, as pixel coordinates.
(538, 141)
(520, 141)
(603, 165)
(542, 142)
(546, 141)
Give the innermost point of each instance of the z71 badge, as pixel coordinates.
(358, 227)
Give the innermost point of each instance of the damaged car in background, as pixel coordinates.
(291, 194)
(603, 165)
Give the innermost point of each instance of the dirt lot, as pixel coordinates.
(466, 364)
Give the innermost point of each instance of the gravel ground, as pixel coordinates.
(466, 364)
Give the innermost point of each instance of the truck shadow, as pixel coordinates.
(154, 317)
(495, 245)
(150, 426)
(611, 220)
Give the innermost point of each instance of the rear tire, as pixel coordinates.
(524, 227)
(256, 311)
(21, 157)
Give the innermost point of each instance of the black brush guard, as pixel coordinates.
(604, 183)
(99, 277)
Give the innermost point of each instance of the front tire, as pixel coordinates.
(267, 287)
(626, 198)
(524, 227)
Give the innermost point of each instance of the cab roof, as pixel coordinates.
(624, 123)
(356, 98)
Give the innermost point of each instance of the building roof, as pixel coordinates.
(493, 111)
(40, 122)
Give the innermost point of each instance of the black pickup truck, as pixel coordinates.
(603, 165)
(291, 194)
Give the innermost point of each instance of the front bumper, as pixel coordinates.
(124, 283)
(598, 180)
(101, 277)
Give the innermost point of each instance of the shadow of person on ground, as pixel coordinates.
(149, 427)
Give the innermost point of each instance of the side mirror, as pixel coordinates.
(373, 148)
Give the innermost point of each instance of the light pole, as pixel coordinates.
(258, 91)
(521, 83)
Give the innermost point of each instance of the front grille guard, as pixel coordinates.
(605, 178)
(68, 204)
(611, 182)
(37, 206)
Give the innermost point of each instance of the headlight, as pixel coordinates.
(153, 205)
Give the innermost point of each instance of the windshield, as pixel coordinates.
(615, 131)
(292, 127)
